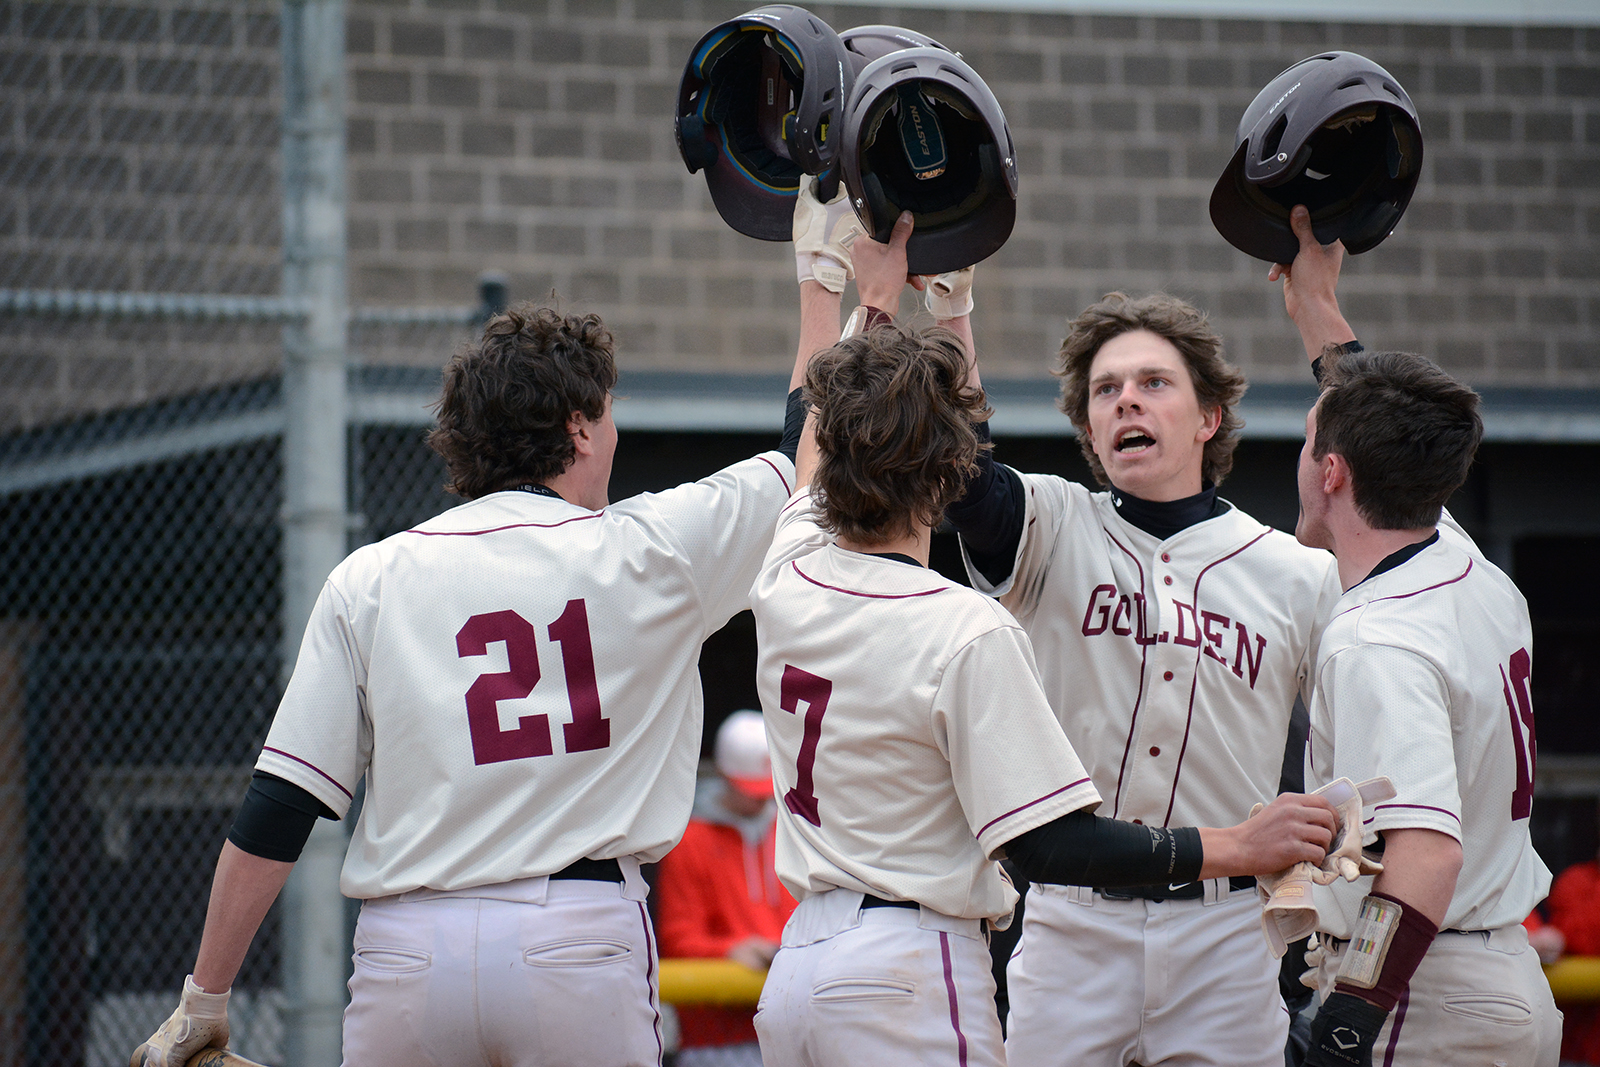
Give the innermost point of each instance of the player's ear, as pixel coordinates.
(578, 430)
(1210, 423)
(1335, 473)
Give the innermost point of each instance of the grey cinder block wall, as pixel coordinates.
(139, 140)
(536, 138)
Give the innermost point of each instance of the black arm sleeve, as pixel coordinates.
(990, 515)
(794, 420)
(1084, 849)
(276, 818)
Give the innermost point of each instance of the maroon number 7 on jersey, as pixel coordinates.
(796, 687)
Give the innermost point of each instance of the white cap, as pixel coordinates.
(741, 753)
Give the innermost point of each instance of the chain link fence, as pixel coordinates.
(142, 500)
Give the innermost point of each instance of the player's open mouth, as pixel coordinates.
(1134, 441)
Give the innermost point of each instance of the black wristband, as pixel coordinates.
(1344, 1031)
(1348, 348)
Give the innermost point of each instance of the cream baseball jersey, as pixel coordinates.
(517, 679)
(1423, 675)
(1173, 665)
(910, 738)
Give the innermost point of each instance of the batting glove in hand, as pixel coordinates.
(950, 294)
(823, 234)
(1346, 858)
(1344, 1031)
(1287, 911)
(200, 1022)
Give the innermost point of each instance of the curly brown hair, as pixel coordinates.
(893, 418)
(1217, 383)
(1408, 430)
(503, 412)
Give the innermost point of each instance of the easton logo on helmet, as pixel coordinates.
(921, 136)
(1279, 102)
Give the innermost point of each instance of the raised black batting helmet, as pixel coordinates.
(1334, 132)
(866, 43)
(924, 134)
(759, 106)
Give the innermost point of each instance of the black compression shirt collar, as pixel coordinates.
(898, 557)
(1163, 518)
(537, 490)
(1394, 559)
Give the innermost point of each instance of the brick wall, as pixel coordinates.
(139, 150)
(534, 137)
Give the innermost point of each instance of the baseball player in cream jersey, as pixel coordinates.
(911, 741)
(516, 683)
(1174, 633)
(1422, 675)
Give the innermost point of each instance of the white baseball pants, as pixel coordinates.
(563, 978)
(1478, 999)
(878, 986)
(1106, 983)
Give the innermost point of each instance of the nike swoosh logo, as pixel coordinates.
(1174, 888)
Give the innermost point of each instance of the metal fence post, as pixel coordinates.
(315, 525)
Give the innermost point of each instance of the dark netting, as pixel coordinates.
(140, 494)
(139, 636)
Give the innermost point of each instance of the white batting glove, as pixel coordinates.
(1314, 955)
(1346, 858)
(200, 1022)
(823, 235)
(949, 295)
(1287, 911)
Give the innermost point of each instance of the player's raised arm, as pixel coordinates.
(823, 236)
(990, 515)
(949, 298)
(1310, 289)
(1084, 849)
(880, 273)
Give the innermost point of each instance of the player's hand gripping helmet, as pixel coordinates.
(866, 43)
(924, 134)
(1336, 133)
(758, 108)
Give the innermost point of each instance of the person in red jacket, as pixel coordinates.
(717, 891)
(1573, 929)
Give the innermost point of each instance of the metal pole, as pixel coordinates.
(316, 950)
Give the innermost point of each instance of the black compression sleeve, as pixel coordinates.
(1084, 849)
(794, 420)
(275, 818)
(990, 515)
(1349, 347)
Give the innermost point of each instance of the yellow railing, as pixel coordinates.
(1575, 978)
(710, 982)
